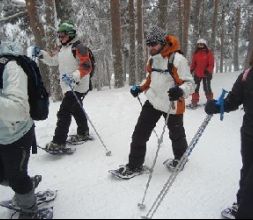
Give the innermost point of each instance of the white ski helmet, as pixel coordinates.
(202, 41)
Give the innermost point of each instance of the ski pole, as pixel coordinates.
(179, 167)
(184, 160)
(160, 141)
(108, 153)
(138, 97)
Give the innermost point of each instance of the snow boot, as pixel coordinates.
(126, 173)
(231, 212)
(36, 181)
(28, 205)
(79, 138)
(54, 148)
(171, 165)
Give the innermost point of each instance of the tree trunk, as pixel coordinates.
(116, 43)
(132, 53)
(39, 34)
(180, 20)
(222, 41)
(187, 12)
(140, 47)
(237, 36)
(163, 14)
(203, 27)
(51, 45)
(250, 48)
(196, 24)
(64, 9)
(214, 25)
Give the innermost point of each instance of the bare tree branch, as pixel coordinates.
(12, 17)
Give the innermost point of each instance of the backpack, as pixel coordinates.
(170, 68)
(92, 58)
(38, 96)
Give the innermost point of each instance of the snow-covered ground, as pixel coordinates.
(208, 184)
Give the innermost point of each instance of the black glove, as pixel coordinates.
(208, 75)
(175, 93)
(212, 108)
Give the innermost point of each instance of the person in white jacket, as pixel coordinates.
(75, 65)
(169, 82)
(16, 132)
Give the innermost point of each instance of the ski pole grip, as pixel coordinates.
(220, 103)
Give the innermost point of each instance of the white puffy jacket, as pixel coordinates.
(161, 83)
(15, 120)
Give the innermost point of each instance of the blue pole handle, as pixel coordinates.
(220, 103)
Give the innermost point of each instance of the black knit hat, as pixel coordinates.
(155, 35)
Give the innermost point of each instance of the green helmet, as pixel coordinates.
(67, 27)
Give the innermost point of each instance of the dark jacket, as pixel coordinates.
(242, 94)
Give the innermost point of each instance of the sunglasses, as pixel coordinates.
(152, 44)
(62, 35)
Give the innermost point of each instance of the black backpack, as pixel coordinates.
(92, 58)
(38, 96)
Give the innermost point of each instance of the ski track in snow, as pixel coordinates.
(207, 185)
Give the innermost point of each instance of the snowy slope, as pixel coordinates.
(207, 185)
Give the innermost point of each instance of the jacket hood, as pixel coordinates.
(10, 48)
(172, 46)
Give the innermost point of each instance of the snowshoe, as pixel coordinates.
(56, 149)
(79, 139)
(231, 212)
(194, 106)
(43, 198)
(44, 213)
(126, 173)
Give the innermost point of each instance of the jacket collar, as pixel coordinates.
(71, 42)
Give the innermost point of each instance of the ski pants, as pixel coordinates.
(206, 84)
(207, 88)
(14, 162)
(143, 130)
(69, 108)
(245, 194)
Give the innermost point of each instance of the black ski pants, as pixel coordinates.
(14, 163)
(143, 130)
(245, 194)
(69, 108)
(206, 84)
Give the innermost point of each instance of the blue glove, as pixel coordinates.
(217, 106)
(36, 52)
(69, 80)
(135, 90)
